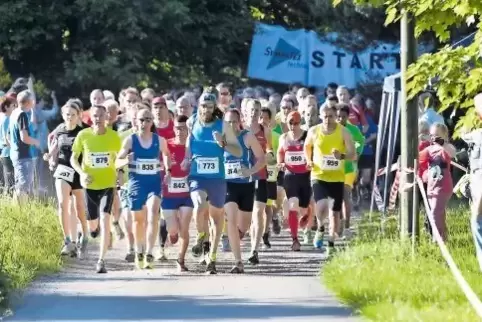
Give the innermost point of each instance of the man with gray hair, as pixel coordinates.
(21, 140)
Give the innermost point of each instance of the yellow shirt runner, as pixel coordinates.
(98, 156)
(325, 166)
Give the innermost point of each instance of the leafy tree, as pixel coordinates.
(458, 70)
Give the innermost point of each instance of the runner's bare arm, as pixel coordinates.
(253, 143)
(279, 153)
(76, 152)
(122, 160)
(269, 143)
(350, 152)
(232, 143)
(308, 147)
(166, 155)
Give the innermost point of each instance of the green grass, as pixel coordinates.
(29, 245)
(379, 277)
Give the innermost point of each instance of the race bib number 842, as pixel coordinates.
(178, 185)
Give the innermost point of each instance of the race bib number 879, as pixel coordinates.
(207, 165)
(100, 160)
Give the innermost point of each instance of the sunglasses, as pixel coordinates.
(159, 105)
(147, 119)
(294, 123)
(224, 93)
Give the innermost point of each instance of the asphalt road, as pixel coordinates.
(284, 287)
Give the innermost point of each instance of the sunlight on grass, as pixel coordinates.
(379, 277)
(30, 238)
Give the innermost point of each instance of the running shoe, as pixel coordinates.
(139, 261)
(318, 240)
(211, 268)
(130, 256)
(266, 242)
(100, 267)
(296, 246)
(119, 234)
(82, 248)
(276, 224)
(237, 269)
(162, 254)
(148, 261)
(254, 259)
(68, 249)
(197, 250)
(225, 247)
(307, 236)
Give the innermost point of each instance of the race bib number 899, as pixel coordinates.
(207, 165)
(100, 160)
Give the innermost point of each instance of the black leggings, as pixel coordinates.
(8, 179)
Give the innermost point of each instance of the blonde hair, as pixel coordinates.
(110, 104)
(442, 128)
(423, 127)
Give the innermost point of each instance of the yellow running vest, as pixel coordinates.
(325, 166)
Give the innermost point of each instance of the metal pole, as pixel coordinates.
(409, 120)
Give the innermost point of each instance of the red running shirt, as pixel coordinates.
(178, 187)
(167, 132)
(294, 157)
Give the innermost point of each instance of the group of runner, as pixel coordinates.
(233, 169)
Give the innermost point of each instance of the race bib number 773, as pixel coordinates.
(207, 165)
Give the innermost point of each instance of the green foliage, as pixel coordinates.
(380, 278)
(458, 70)
(76, 45)
(29, 244)
(5, 78)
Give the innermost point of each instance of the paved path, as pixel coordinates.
(284, 287)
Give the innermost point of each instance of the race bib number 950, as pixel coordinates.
(207, 165)
(100, 160)
(295, 158)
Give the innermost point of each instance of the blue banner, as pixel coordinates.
(300, 56)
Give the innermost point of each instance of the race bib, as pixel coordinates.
(295, 158)
(330, 163)
(207, 165)
(178, 185)
(272, 173)
(100, 160)
(65, 173)
(147, 166)
(233, 170)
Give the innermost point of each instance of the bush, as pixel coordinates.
(379, 277)
(30, 238)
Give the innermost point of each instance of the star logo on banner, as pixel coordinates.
(283, 52)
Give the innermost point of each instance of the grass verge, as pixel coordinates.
(379, 277)
(29, 245)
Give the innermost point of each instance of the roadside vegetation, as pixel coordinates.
(379, 277)
(29, 245)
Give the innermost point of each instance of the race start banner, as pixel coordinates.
(300, 56)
